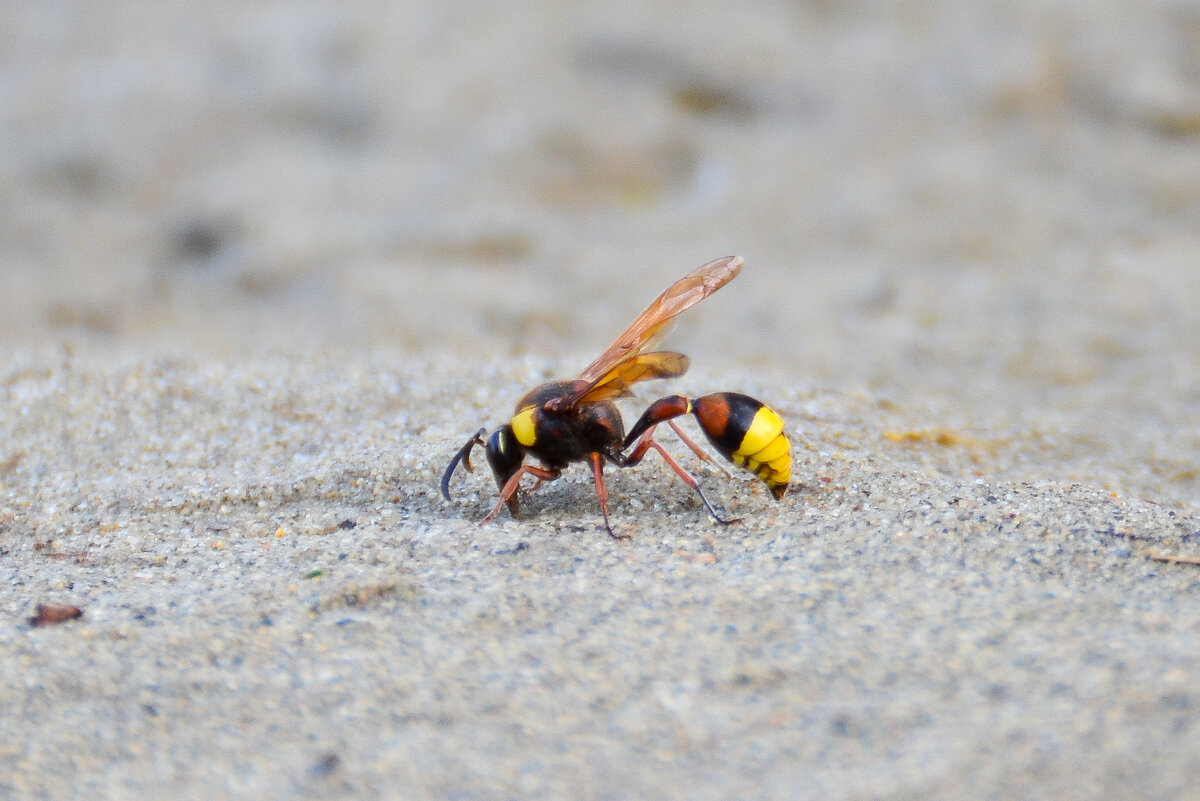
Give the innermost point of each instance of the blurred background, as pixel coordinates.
(994, 204)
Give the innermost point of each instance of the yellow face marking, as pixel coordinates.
(523, 427)
(765, 427)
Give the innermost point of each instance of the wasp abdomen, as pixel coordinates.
(749, 433)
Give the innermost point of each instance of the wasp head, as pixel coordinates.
(505, 455)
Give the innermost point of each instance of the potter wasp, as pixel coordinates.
(574, 421)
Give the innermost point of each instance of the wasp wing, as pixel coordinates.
(617, 381)
(679, 296)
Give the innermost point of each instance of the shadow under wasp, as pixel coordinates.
(561, 422)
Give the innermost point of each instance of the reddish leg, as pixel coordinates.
(645, 444)
(510, 487)
(597, 462)
(696, 449)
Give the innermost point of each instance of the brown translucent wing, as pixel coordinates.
(681, 295)
(616, 382)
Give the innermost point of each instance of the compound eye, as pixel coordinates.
(504, 454)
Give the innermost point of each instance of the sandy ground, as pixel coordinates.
(268, 266)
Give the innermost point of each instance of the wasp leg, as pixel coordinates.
(597, 461)
(463, 456)
(696, 449)
(510, 487)
(645, 444)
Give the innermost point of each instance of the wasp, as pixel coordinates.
(563, 422)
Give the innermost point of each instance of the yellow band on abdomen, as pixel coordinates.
(765, 450)
(764, 429)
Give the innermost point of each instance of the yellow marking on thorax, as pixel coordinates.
(523, 427)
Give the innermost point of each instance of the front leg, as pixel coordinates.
(510, 487)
